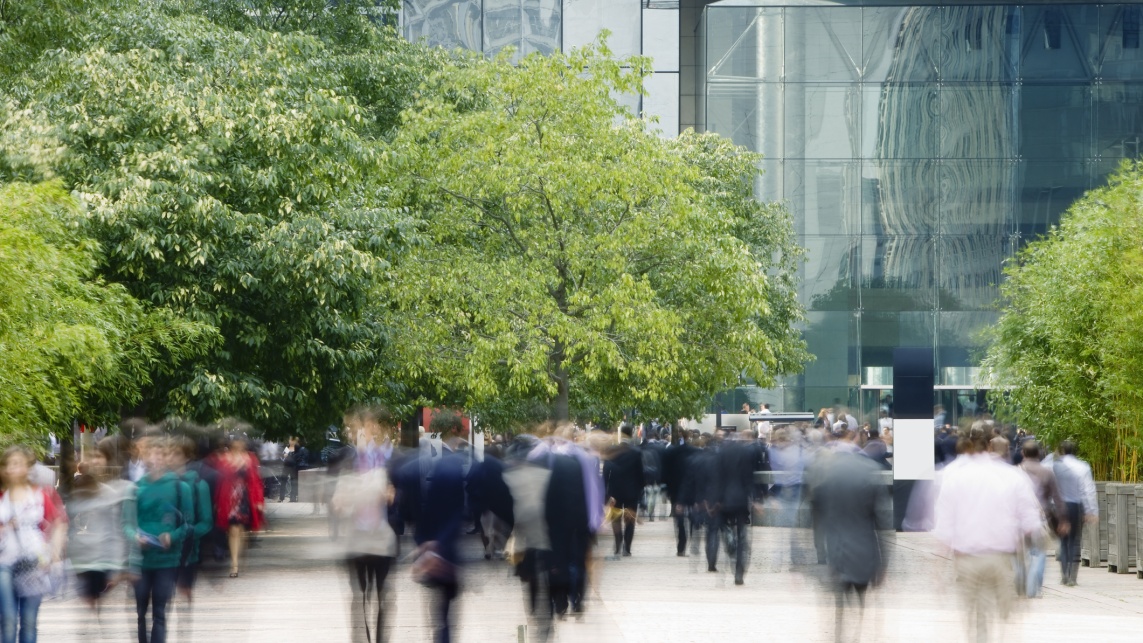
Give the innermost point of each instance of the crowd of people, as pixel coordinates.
(150, 503)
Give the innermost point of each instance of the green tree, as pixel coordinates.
(1067, 352)
(71, 345)
(568, 253)
(229, 162)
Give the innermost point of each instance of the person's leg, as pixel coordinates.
(712, 529)
(143, 586)
(629, 517)
(162, 591)
(381, 567)
(358, 582)
(29, 609)
(7, 606)
(234, 536)
(446, 595)
(617, 531)
(294, 485)
(742, 551)
(1037, 558)
(680, 529)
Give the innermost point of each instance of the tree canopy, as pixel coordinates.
(227, 156)
(69, 342)
(1067, 350)
(566, 252)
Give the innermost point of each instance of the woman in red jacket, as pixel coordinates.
(239, 500)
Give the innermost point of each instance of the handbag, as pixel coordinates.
(431, 569)
(30, 575)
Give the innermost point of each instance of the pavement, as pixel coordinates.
(295, 589)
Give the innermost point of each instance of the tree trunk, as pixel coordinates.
(560, 411)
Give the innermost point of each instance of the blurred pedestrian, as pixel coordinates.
(1030, 568)
(439, 520)
(847, 499)
(97, 547)
(295, 458)
(239, 500)
(200, 520)
(734, 501)
(1078, 491)
(158, 523)
(984, 510)
(363, 498)
(676, 462)
(623, 481)
(33, 532)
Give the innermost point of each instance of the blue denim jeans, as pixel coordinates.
(1034, 563)
(16, 610)
(154, 588)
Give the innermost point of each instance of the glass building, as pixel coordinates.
(917, 146)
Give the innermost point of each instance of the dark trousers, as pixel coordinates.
(155, 588)
(624, 527)
(442, 611)
(367, 574)
(1070, 544)
(290, 479)
(734, 526)
(680, 514)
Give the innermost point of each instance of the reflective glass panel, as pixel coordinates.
(978, 121)
(1055, 121)
(978, 197)
(1118, 127)
(822, 121)
(825, 195)
(900, 121)
(823, 44)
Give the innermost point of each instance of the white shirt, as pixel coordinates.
(1076, 484)
(985, 506)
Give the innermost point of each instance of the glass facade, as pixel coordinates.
(917, 147)
(486, 25)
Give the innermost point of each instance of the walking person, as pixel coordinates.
(239, 498)
(200, 520)
(1078, 491)
(158, 522)
(97, 547)
(846, 497)
(734, 484)
(623, 485)
(33, 531)
(676, 462)
(295, 458)
(1030, 569)
(984, 510)
(363, 498)
(439, 520)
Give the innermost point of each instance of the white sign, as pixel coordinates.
(913, 442)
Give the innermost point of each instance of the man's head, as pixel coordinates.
(1067, 447)
(874, 432)
(626, 430)
(447, 424)
(1031, 450)
(975, 441)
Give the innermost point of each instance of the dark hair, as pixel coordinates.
(975, 441)
(446, 423)
(1031, 449)
(874, 432)
(626, 429)
(1067, 447)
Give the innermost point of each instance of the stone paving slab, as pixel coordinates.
(294, 589)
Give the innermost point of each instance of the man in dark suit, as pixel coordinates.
(676, 460)
(565, 509)
(440, 518)
(734, 493)
(623, 484)
(847, 499)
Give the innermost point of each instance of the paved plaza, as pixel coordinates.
(293, 590)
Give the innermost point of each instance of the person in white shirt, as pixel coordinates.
(984, 510)
(1078, 490)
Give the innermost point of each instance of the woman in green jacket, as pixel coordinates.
(159, 524)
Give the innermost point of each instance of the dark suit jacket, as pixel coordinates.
(734, 475)
(676, 460)
(623, 475)
(565, 510)
(846, 503)
(439, 500)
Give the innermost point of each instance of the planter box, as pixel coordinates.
(1093, 545)
(1121, 527)
(1138, 530)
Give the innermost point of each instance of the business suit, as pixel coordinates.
(734, 492)
(565, 510)
(846, 500)
(676, 460)
(623, 481)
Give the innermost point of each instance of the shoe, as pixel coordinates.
(739, 581)
(626, 553)
(682, 554)
(234, 574)
(711, 568)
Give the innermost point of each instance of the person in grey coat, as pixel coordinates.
(847, 498)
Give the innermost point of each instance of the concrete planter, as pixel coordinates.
(1093, 545)
(1121, 527)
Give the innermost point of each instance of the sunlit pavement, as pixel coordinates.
(295, 589)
